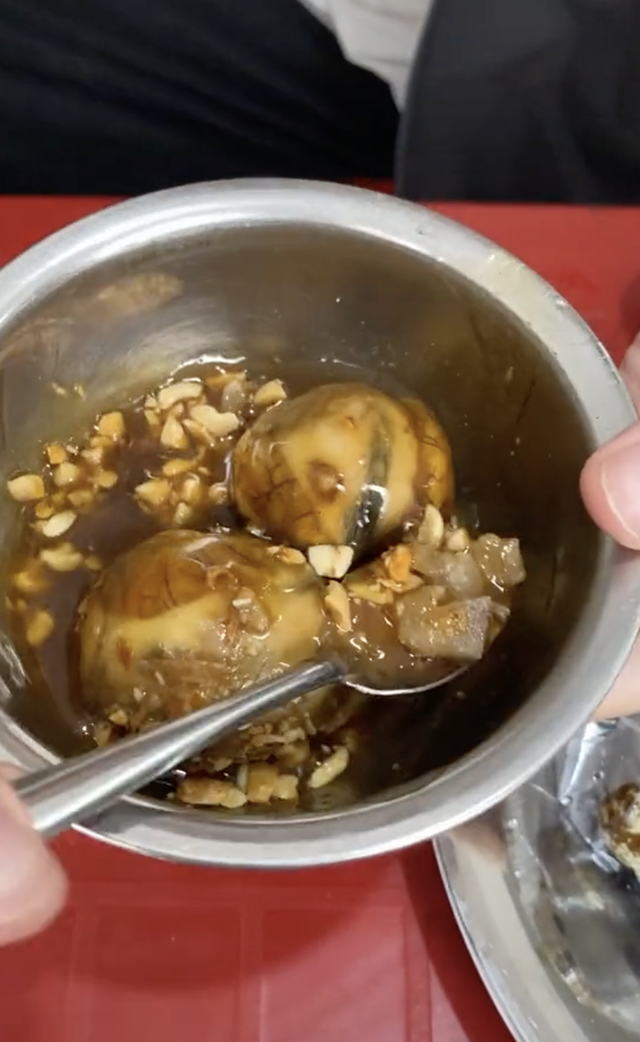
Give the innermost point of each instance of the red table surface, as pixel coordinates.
(365, 952)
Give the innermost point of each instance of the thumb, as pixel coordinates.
(610, 481)
(32, 884)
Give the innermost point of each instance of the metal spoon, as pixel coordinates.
(85, 785)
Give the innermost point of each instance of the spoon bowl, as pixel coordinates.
(83, 786)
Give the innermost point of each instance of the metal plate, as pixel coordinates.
(551, 921)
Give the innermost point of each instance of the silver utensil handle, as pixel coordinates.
(85, 785)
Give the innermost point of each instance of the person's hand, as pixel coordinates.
(32, 884)
(610, 486)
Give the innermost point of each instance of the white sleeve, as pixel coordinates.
(379, 35)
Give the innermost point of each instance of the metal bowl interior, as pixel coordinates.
(310, 280)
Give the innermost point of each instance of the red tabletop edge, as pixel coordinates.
(365, 952)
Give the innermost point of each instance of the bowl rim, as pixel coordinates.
(594, 654)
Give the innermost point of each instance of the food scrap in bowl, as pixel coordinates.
(620, 820)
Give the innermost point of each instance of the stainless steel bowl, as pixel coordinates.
(550, 918)
(278, 273)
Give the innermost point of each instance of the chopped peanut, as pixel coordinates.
(63, 558)
(102, 734)
(285, 787)
(412, 582)
(66, 473)
(58, 524)
(369, 590)
(111, 425)
(222, 379)
(219, 494)
(211, 792)
(173, 434)
(55, 453)
(179, 392)
(44, 509)
(337, 604)
(100, 441)
(81, 497)
(330, 768)
(219, 424)
(106, 479)
(192, 490)
(200, 433)
(261, 782)
(287, 554)
(26, 487)
(431, 530)
(183, 515)
(270, 394)
(458, 540)
(332, 562)
(94, 456)
(177, 466)
(119, 718)
(30, 579)
(39, 628)
(397, 563)
(154, 492)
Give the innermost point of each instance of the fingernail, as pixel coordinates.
(620, 477)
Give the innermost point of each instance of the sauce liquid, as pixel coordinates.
(117, 524)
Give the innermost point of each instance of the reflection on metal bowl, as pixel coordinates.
(279, 275)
